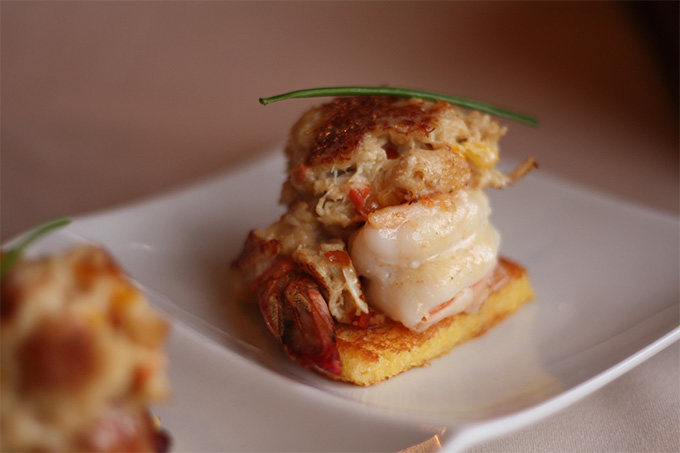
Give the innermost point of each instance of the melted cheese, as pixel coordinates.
(429, 259)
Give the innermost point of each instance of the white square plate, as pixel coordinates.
(606, 280)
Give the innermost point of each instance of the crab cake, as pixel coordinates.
(356, 155)
(82, 357)
(387, 213)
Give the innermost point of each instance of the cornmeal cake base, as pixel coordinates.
(371, 355)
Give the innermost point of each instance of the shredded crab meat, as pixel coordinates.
(299, 235)
(495, 179)
(337, 277)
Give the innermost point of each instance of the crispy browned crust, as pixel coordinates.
(355, 155)
(349, 119)
(371, 355)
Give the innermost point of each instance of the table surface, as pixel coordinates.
(105, 103)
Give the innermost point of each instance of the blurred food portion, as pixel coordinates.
(82, 357)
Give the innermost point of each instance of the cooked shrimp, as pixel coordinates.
(416, 257)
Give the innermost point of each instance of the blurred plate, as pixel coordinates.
(606, 280)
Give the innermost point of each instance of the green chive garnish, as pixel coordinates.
(407, 93)
(13, 254)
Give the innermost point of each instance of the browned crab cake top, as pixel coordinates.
(354, 155)
(347, 120)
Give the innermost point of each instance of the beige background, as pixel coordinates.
(107, 102)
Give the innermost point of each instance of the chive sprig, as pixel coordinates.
(10, 257)
(407, 93)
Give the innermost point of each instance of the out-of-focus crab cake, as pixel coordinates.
(355, 155)
(82, 357)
